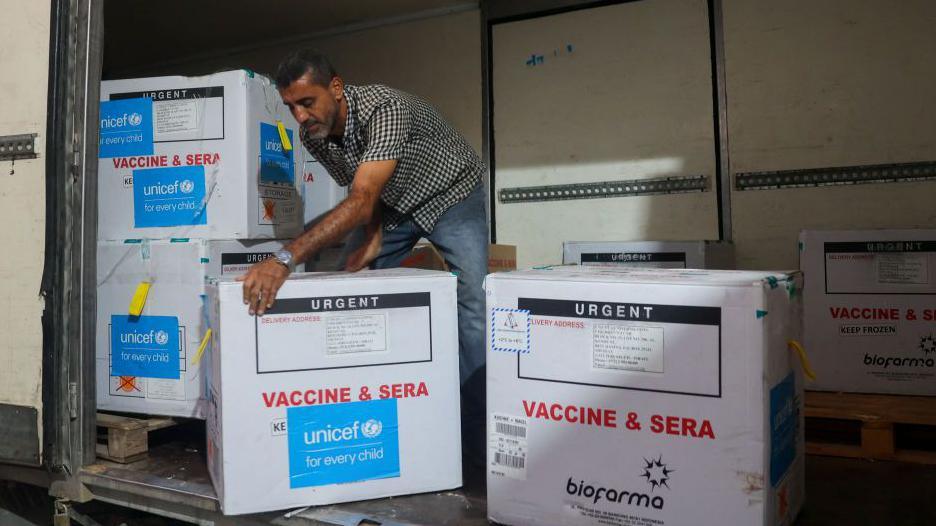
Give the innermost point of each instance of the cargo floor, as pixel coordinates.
(173, 482)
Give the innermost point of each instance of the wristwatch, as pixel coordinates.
(285, 258)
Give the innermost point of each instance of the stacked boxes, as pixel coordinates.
(650, 254)
(870, 316)
(151, 363)
(196, 157)
(626, 396)
(187, 168)
(346, 389)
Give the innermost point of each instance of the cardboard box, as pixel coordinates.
(631, 396)
(427, 256)
(347, 389)
(651, 254)
(502, 258)
(196, 157)
(870, 310)
(320, 193)
(172, 311)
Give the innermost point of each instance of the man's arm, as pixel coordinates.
(263, 280)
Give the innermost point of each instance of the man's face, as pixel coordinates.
(315, 107)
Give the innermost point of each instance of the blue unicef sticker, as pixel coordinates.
(169, 197)
(276, 163)
(338, 443)
(784, 428)
(146, 346)
(126, 128)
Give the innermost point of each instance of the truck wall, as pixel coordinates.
(24, 54)
(438, 59)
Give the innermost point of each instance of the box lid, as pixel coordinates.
(395, 273)
(614, 274)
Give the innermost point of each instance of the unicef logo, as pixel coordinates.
(372, 428)
(134, 119)
(162, 337)
(186, 186)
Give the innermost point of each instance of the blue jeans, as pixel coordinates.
(461, 236)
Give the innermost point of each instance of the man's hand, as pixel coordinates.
(370, 249)
(261, 283)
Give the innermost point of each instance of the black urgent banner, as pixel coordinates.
(685, 314)
(633, 257)
(857, 247)
(350, 303)
(172, 94)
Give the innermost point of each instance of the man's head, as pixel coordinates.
(312, 90)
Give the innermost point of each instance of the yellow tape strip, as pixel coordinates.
(201, 347)
(139, 298)
(804, 360)
(284, 137)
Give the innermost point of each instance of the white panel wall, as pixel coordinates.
(438, 59)
(24, 44)
(831, 83)
(630, 99)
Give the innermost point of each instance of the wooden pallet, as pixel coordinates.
(124, 439)
(878, 420)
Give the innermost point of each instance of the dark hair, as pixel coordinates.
(302, 61)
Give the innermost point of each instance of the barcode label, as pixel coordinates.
(509, 460)
(510, 429)
(507, 446)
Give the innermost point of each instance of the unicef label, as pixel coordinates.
(126, 128)
(145, 346)
(341, 443)
(276, 163)
(169, 197)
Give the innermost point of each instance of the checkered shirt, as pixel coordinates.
(436, 168)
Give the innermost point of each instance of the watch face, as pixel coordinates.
(284, 256)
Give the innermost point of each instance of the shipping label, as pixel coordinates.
(623, 345)
(508, 446)
(329, 332)
(879, 267)
(184, 113)
(160, 389)
(627, 347)
(361, 333)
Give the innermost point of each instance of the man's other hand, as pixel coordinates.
(367, 252)
(261, 283)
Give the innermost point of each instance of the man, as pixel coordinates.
(411, 176)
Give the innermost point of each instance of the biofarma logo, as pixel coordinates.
(927, 347)
(656, 472)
